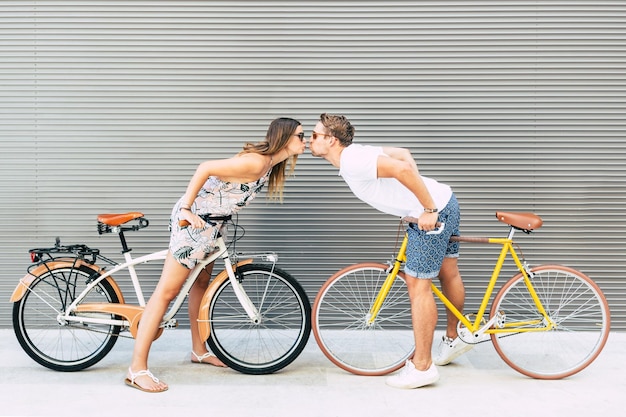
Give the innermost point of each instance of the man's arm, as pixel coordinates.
(398, 163)
(401, 154)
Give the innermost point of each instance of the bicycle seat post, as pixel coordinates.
(511, 233)
(125, 248)
(128, 258)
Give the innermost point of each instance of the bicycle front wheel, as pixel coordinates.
(575, 305)
(342, 329)
(274, 340)
(47, 339)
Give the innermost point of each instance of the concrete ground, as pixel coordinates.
(477, 384)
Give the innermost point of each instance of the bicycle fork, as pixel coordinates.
(370, 318)
(253, 311)
(240, 293)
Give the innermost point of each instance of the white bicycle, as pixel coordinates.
(68, 311)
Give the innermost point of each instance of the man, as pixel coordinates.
(387, 178)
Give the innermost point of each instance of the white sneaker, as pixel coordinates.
(450, 349)
(409, 377)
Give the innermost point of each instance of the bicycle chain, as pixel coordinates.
(99, 331)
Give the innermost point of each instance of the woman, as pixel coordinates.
(218, 187)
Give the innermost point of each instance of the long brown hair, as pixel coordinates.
(277, 137)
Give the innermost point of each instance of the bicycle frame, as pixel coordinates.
(132, 313)
(475, 326)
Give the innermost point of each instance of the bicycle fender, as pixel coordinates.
(22, 287)
(27, 280)
(203, 314)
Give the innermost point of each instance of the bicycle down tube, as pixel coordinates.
(123, 310)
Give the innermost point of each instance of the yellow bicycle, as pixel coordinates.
(547, 322)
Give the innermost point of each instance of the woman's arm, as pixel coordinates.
(241, 168)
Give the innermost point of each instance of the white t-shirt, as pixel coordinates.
(358, 167)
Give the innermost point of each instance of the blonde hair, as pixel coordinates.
(277, 138)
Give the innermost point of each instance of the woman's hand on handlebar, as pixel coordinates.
(191, 219)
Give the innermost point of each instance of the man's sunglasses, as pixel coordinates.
(315, 134)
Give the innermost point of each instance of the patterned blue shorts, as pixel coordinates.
(425, 252)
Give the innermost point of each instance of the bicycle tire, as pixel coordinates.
(280, 335)
(576, 305)
(63, 346)
(340, 321)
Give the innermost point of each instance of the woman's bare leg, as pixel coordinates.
(198, 346)
(172, 279)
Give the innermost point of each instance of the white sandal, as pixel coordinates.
(134, 375)
(201, 358)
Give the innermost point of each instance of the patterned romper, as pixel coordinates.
(217, 198)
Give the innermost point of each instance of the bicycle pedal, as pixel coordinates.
(476, 337)
(172, 324)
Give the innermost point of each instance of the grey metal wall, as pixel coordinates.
(519, 105)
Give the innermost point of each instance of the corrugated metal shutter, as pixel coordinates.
(519, 105)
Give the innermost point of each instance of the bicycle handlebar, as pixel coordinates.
(207, 218)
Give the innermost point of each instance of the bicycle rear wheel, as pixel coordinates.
(340, 321)
(282, 331)
(58, 345)
(573, 302)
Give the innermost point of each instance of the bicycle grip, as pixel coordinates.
(438, 229)
(210, 219)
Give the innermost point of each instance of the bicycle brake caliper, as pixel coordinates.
(528, 271)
